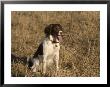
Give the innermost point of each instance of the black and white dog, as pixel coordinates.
(48, 50)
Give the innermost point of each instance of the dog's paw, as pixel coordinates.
(34, 69)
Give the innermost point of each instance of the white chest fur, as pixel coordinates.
(50, 48)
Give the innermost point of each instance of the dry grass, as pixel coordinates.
(80, 50)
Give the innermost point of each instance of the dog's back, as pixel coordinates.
(39, 51)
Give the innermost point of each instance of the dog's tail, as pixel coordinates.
(28, 65)
(29, 62)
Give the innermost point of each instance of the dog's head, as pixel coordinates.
(54, 32)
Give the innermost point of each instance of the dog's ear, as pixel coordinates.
(47, 30)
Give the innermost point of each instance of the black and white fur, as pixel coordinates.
(48, 50)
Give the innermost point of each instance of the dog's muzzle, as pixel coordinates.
(60, 38)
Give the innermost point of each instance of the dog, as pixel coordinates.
(48, 50)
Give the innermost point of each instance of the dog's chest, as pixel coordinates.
(51, 48)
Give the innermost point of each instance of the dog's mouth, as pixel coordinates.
(59, 38)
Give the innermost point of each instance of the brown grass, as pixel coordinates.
(80, 49)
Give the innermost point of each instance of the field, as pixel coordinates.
(80, 49)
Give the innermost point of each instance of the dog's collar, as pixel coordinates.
(55, 42)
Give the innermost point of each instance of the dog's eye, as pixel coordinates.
(60, 33)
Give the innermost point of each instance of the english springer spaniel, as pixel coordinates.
(48, 50)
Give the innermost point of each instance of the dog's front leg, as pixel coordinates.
(57, 62)
(44, 64)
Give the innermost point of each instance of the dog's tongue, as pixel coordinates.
(60, 38)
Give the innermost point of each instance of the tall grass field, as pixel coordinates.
(80, 49)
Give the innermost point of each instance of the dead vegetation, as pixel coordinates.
(80, 49)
